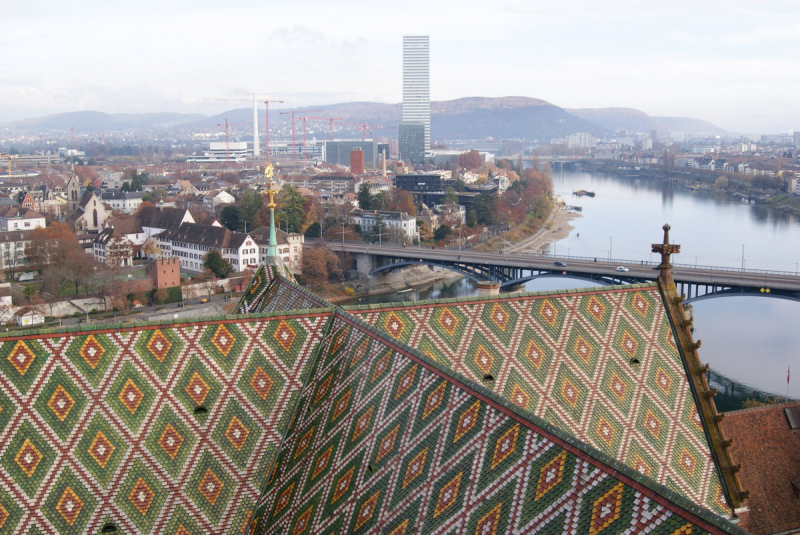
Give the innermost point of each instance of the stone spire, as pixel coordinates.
(666, 249)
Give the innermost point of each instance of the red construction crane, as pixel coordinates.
(331, 119)
(227, 126)
(305, 118)
(293, 112)
(266, 122)
(364, 127)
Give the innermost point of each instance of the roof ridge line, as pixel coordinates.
(603, 461)
(79, 329)
(703, 394)
(505, 296)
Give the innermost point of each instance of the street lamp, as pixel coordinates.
(610, 248)
(742, 257)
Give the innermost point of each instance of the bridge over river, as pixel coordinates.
(513, 269)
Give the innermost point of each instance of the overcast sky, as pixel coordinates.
(734, 63)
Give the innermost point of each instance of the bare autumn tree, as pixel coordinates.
(315, 266)
(77, 268)
(470, 160)
(401, 201)
(51, 245)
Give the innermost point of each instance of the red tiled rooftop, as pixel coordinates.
(768, 450)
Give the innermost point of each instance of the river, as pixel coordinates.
(749, 342)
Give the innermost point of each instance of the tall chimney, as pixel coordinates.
(256, 147)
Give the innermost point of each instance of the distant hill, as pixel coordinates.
(464, 118)
(96, 121)
(632, 120)
(689, 126)
(505, 118)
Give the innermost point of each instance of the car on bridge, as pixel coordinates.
(559, 263)
(623, 269)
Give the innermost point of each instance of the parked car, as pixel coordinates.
(623, 269)
(559, 263)
(204, 300)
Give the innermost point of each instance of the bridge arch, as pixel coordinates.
(603, 280)
(738, 292)
(389, 267)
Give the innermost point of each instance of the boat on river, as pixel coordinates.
(405, 291)
(582, 192)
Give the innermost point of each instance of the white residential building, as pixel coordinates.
(212, 199)
(399, 223)
(20, 218)
(12, 249)
(123, 201)
(190, 242)
(290, 247)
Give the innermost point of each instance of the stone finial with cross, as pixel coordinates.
(665, 250)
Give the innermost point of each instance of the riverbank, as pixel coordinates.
(409, 277)
(556, 228)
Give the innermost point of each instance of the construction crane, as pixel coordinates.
(9, 157)
(255, 120)
(331, 119)
(363, 127)
(227, 126)
(306, 118)
(292, 112)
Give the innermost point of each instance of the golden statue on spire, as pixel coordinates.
(269, 172)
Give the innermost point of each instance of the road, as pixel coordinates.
(587, 266)
(138, 314)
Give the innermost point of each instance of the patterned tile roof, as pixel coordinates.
(265, 294)
(568, 358)
(385, 440)
(102, 426)
(314, 420)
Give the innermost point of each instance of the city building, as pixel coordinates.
(20, 218)
(12, 249)
(214, 198)
(91, 213)
(155, 219)
(399, 226)
(324, 183)
(411, 142)
(190, 242)
(222, 152)
(124, 201)
(417, 85)
(113, 248)
(581, 139)
(290, 247)
(357, 161)
(338, 152)
(164, 272)
(119, 242)
(313, 149)
(384, 149)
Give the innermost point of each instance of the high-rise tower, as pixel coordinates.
(417, 83)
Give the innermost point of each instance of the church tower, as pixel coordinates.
(73, 190)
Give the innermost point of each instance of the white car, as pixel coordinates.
(623, 269)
